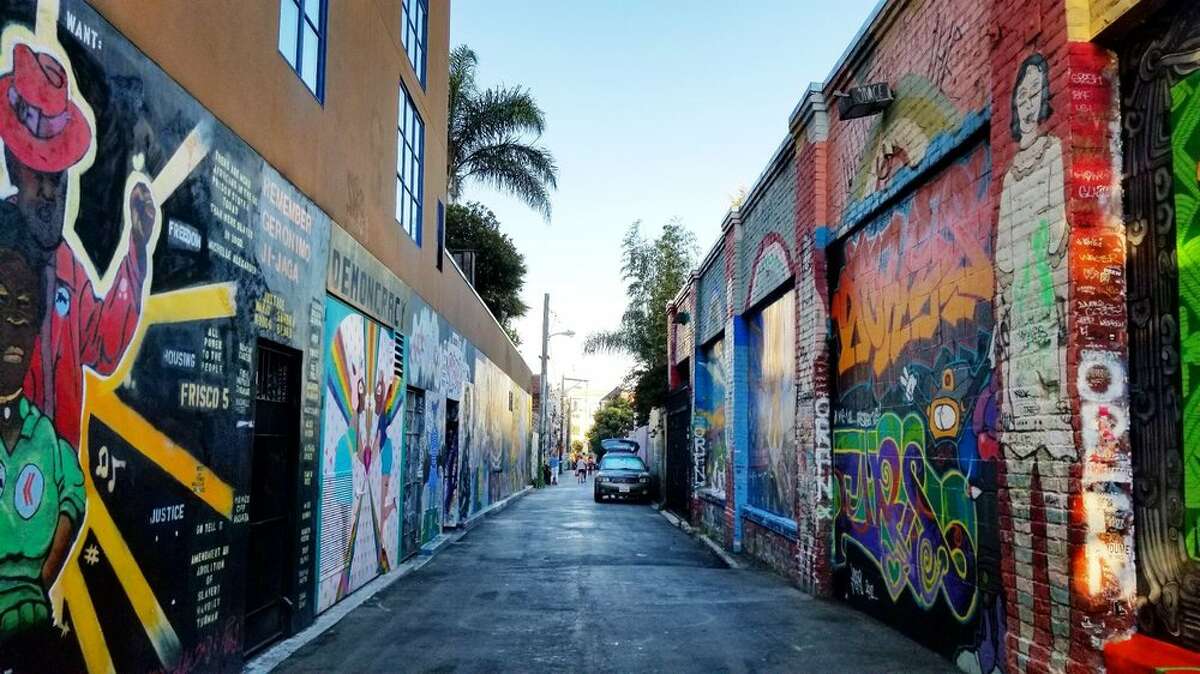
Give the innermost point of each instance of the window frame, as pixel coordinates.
(422, 34)
(322, 32)
(405, 102)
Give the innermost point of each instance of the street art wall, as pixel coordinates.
(144, 252)
(915, 419)
(360, 461)
(474, 445)
(772, 386)
(1160, 92)
(708, 417)
(941, 93)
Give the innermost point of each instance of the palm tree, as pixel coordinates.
(493, 137)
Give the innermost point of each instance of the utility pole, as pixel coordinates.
(562, 391)
(543, 385)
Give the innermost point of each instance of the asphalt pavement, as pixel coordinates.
(558, 583)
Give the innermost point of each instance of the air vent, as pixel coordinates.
(399, 363)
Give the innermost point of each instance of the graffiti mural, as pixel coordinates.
(772, 456)
(144, 250)
(709, 416)
(915, 421)
(491, 458)
(360, 465)
(1159, 89)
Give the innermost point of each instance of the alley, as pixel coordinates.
(559, 583)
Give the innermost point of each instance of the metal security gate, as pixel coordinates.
(273, 479)
(414, 430)
(677, 491)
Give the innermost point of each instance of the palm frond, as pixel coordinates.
(527, 171)
(607, 342)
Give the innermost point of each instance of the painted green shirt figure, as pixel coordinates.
(40, 480)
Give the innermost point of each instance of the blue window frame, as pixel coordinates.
(302, 41)
(415, 25)
(410, 167)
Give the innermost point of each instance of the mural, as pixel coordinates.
(1160, 68)
(144, 250)
(940, 103)
(914, 416)
(772, 456)
(360, 464)
(709, 417)
(491, 459)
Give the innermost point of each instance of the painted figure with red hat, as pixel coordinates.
(45, 135)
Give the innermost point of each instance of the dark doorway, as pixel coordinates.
(414, 430)
(450, 470)
(270, 569)
(677, 492)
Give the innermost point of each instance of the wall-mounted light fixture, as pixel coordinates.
(864, 101)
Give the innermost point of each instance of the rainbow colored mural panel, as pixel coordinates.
(360, 459)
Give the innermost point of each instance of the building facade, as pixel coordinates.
(241, 378)
(939, 360)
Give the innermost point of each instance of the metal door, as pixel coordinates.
(414, 430)
(450, 469)
(677, 491)
(270, 567)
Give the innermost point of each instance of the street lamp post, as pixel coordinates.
(544, 384)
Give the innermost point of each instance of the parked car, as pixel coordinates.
(623, 475)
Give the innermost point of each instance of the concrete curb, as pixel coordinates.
(275, 655)
(695, 533)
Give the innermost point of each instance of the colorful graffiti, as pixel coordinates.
(772, 456)
(709, 417)
(917, 524)
(1185, 134)
(914, 417)
(145, 250)
(360, 467)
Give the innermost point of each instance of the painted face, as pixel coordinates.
(41, 198)
(19, 298)
(1029, 100)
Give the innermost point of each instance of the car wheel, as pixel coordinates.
(596, 496)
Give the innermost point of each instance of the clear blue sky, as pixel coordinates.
(655, 109)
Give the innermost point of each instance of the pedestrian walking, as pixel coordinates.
(554, 470)
(581, 470)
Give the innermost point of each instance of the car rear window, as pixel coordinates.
(621, 463)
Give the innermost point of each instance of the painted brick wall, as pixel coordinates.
(768, 238)
(1066, 489)
(814, 507)
(935, 57)
(768, 547)
(710, 298)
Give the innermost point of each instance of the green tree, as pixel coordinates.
(613, 420)
(499, 266)
(654, 270)
(493, 136)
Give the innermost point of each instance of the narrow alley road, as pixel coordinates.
(559, 583)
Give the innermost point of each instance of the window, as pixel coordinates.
(441, 239)
(302, 41)
(410, 167)
(416, 32)
(414, 420)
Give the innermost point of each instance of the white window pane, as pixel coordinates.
(399, 203)
(312, 9)
(399, 154)
(419, 23)
(311, 58)
(289, 14)
(418, 62)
